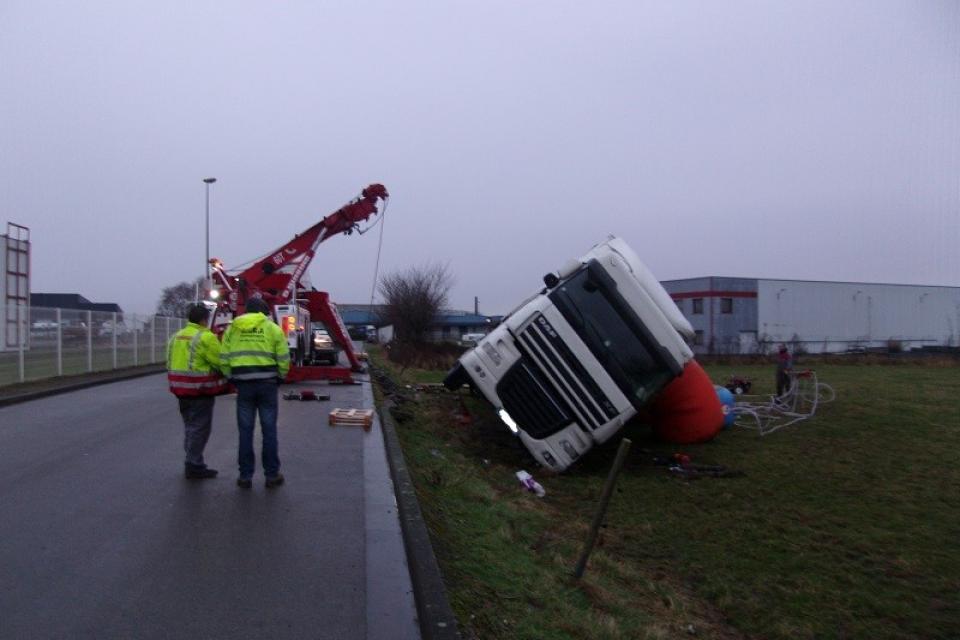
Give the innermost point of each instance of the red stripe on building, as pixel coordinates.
(713, 294)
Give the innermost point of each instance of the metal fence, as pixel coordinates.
(41, 343)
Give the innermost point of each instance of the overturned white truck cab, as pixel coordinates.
(572, 364)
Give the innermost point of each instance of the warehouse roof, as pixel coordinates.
(71, 301)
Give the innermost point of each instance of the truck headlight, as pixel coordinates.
(507, 420)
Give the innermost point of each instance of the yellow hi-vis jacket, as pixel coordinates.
(254, 348)
(193, 362)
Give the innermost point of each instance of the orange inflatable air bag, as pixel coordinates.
(688, 409)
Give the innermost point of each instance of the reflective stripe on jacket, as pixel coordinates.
(254, 348)
(193, 362)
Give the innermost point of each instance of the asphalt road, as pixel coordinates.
(101, 537)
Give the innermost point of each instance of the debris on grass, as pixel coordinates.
(304, 395)
(531, 485)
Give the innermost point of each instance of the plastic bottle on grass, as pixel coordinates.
(531, 485)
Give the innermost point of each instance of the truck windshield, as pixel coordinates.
(590, 302)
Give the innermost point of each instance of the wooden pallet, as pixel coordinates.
(357, 417)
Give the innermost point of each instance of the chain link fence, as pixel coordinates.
(41, 343)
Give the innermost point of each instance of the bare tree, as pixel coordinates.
(413, 298)
(175, 299)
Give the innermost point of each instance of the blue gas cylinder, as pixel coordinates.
(727, 404)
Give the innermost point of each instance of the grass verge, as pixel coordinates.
(844, 526)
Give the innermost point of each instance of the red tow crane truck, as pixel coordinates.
(280, 279)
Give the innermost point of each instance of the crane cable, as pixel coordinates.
(243, 265)
(386, 201)
(376, 268)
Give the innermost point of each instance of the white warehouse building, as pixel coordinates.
(747, 315)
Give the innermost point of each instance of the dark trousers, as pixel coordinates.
(257, 397)
(197, 413)
(783, 382)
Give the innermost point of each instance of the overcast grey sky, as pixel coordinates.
(807, 140)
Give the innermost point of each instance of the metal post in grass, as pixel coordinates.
(136, 330)
(59, 342)
(602, 508)
(153, 338)
(89, 341)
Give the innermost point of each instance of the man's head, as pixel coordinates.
(783, 348)
(198, 313)
(257, 305)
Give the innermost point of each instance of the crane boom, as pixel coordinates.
(278, 276)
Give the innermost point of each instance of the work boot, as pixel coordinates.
(244, 483)
(273, 481)
(194, 472)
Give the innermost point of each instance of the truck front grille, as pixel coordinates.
(541, 344)
(531, 401)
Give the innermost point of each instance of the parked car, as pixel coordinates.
(324, 350)
(43, 331)
(44, 325)
(74, 331)
(106, 329)
(357, 332)
(471, 339)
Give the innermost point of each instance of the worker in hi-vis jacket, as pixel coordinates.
(256, 358)
(193, 371)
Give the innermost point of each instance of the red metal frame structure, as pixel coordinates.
(277, 278)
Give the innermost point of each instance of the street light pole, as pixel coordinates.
(206, 267)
